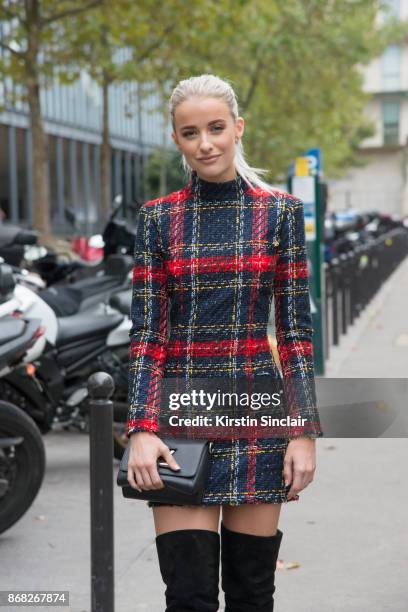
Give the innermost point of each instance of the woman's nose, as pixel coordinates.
(205, 142)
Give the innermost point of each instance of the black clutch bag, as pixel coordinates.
(184, 487)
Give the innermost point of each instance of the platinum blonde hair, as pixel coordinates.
(211, 86)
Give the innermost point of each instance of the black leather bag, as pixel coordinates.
(184, 487)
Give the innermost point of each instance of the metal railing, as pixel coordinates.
(353, 278)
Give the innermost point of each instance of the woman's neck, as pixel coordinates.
(217, 190)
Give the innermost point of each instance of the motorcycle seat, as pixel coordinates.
(68, 300)
(85, 325)
(122, 301)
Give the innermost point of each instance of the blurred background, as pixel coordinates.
(85, 86)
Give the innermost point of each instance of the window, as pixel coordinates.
(390, 65)
(390, 113)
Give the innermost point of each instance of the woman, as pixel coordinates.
(197, 265)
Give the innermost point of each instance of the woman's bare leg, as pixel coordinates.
(172, 518)
(255, 519)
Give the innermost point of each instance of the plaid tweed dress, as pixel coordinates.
(209, 259)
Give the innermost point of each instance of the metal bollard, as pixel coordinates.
(353, 287)
(342, 289)
(100, 389)
(326, 268)
(335, 300)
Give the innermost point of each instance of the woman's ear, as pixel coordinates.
(239, 127)
(174, 137)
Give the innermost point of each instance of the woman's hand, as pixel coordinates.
(145, 448)
(299, 464)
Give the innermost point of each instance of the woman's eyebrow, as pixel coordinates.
(183, 127)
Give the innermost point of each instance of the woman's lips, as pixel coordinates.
(209, 160)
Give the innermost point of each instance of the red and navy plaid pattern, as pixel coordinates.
(208, 261)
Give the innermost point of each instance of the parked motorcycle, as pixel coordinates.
(22, 463)
(117, 239)
(70, 299)
(80, 259)
(22, 454)
(75, 347)
(13, 242)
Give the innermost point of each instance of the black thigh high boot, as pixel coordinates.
(248, 564)
(189, 562)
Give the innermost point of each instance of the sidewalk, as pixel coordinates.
(347, 531)
(376, 345)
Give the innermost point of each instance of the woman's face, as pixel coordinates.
(204, 128)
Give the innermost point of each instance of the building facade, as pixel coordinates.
(73, 119)
(382, 183)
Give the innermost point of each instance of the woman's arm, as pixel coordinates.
(149, 331)
(147, 355)
(293, 320)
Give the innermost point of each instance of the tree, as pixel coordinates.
(147, 42)
(170, 165)
(31, 42)
(295, 67)
(298, 78)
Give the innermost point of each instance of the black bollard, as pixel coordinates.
(343, 292)
(335, 300)
(100, 389)
(326, 271)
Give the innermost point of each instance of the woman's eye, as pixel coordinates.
(217, 128)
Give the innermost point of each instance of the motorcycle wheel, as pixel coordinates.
(22, 466)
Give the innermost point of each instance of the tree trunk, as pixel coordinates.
(105, 153)
(41, 195)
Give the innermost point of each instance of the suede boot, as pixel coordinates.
(248, 566)
(189, 562)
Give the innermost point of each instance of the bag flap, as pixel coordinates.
(189, 454)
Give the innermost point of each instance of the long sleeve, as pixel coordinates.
(149, 331)
(293, 321)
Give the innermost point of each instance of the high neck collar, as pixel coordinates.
(210, 190)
